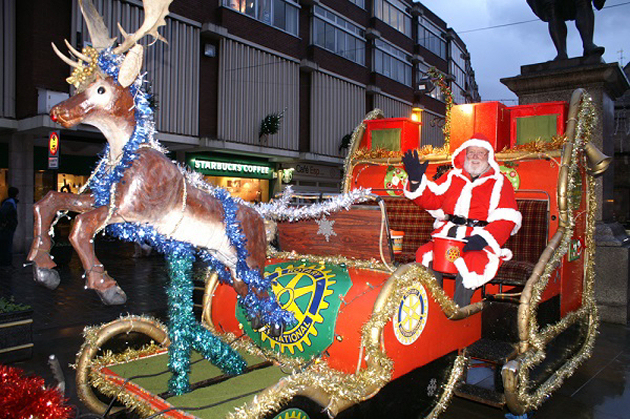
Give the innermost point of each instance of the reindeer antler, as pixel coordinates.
(99, 34)
(154, 13)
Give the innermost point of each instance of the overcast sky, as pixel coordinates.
(500, 52)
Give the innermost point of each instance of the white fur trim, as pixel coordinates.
(495, 196)
(472, 280)
(462, 207)
(506, 254)
(507, 214)
(427, 258)
(461, 232)
(438, 214)
(418, 192)
(442, 188)
(437, 224)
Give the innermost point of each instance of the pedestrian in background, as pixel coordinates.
(8, 224)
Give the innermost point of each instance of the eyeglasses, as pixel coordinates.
(476, 154)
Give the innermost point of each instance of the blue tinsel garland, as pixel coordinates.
(185, 332)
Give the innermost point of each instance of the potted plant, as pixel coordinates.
(16, 331)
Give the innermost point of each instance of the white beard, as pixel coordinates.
(475, 170)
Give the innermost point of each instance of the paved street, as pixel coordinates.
(599, 390)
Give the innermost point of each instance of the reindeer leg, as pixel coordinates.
(43, 213)
(85, 226)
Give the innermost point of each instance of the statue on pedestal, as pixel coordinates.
(557, 12)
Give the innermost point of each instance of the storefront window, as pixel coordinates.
(248, 189)
(4, 185)
(70, 183)
(45, 181)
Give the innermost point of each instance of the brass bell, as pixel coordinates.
(596, 161)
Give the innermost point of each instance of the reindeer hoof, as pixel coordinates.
(112, 296)
(47, 277)
(256, 323)
(275, 330)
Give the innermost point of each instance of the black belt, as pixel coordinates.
(455, 219)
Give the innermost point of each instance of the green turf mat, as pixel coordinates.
(221, 397)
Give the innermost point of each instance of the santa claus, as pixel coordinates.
(473, 202)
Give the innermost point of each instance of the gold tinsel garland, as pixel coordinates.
(83, 74)
(538, 145)
(109, 388)
(587, 314)
(446, 91)
(371, 264)
(381, 153)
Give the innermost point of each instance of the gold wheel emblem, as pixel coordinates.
(452, 253)
(412, 314)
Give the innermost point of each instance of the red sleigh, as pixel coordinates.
(370, 322)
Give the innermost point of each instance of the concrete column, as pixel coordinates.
(21, 175)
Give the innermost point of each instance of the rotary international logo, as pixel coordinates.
(412, 315)
(311, 291)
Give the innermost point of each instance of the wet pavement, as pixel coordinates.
(600, 389)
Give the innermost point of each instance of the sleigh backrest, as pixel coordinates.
(359, 233)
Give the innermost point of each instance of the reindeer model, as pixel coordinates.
(136, 188)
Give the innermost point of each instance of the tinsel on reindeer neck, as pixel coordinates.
(105, 175)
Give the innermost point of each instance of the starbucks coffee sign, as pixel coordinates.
(226, 168)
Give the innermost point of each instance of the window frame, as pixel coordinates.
(396, 55)
(330, 19)
(379, 10)
(256, 15)
(425, 25)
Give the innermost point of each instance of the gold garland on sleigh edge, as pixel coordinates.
(587, 314)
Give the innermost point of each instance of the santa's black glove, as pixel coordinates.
(475, 242)
(414, 168)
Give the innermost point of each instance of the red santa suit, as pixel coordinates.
(489, 198)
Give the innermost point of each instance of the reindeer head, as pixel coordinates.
(102, 101)
(103, 74)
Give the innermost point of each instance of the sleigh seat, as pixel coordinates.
(527, 245)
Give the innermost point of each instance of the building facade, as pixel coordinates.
(229, 65)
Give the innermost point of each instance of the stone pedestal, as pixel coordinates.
(554, 81)
(612, 269)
